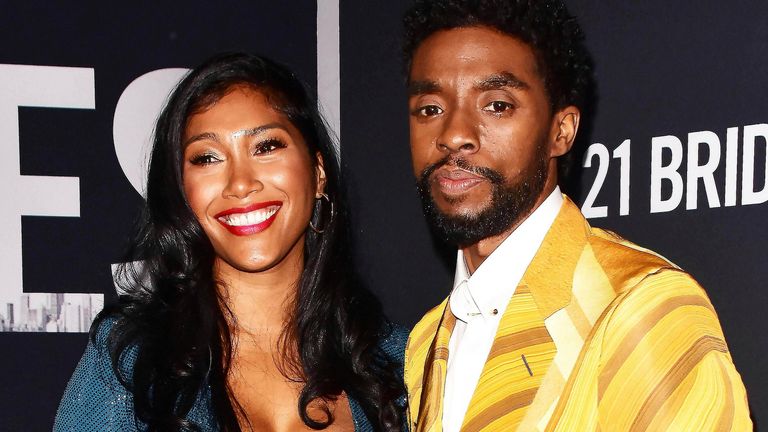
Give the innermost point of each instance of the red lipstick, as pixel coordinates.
(248, 220)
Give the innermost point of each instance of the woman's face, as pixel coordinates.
(250, 180)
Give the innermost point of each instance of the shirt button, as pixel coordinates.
(495, 312)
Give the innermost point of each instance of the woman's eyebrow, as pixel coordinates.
(236, 134)
(202, 136)
(257, 130)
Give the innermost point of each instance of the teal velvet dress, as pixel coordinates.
(95, 401)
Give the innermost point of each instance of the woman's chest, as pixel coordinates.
(269, 401)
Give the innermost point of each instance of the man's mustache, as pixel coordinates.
(491, 175)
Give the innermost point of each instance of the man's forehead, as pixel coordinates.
(477, 51)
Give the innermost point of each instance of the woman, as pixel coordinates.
(244, 315)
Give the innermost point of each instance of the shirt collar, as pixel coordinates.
(487, 291)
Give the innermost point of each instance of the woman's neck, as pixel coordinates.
(259, 301)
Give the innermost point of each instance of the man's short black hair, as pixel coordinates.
(545, 25)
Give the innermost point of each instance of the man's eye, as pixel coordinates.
(268, 146)
(498, 106)
(204, 159)
(429, 111)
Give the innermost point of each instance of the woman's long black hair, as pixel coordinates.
(170, 335)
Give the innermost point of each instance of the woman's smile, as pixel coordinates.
(251, 219)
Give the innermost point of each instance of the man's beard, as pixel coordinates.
(510, 203)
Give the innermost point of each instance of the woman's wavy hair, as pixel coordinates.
(170, 335)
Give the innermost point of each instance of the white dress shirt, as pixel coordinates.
(479, 300)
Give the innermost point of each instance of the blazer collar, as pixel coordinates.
(550, 274)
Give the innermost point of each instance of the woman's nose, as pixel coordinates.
(242, 181)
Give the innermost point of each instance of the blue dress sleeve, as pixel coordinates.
(94, 399)
(393, 346)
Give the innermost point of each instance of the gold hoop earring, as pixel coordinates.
(330, 215)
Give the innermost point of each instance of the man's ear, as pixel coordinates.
(320, 178)
(565, 125)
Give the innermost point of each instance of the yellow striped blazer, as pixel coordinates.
(600, 335)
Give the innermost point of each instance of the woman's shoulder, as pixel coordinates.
(394, 339)
(101, 329)
(95, 399)
(101, 335)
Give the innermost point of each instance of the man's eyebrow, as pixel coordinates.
(421, 87)
(501, 80)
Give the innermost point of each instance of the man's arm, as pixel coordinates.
(665, 364)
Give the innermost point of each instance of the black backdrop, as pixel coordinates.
(664, 70)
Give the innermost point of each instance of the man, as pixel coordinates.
(551, 325)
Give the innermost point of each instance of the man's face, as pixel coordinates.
(482, 132)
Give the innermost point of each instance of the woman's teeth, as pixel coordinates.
(251, 218)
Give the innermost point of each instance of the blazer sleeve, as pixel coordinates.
(665, 364)
(94, 399)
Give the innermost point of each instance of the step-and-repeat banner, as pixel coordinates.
(674, 157)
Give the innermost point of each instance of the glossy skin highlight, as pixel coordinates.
(476, 94)
(241, 154)
(252, 183)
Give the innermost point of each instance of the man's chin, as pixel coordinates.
(462, 208)
(459, 230)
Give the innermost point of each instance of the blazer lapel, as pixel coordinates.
(430, 414)
(534, 348)
(520, 356)
(571, 291)
(543, 329)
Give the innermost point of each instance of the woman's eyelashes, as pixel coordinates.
(260, 148)
(203, 159)
(268, 146)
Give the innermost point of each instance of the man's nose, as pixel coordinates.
(459, 134)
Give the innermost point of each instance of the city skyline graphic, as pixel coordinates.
(51, 313)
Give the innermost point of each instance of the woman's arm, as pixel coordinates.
(94, 399)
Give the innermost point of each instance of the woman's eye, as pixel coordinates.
(268, 146)
(204, 159)
(429, 111)
(498, 106)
